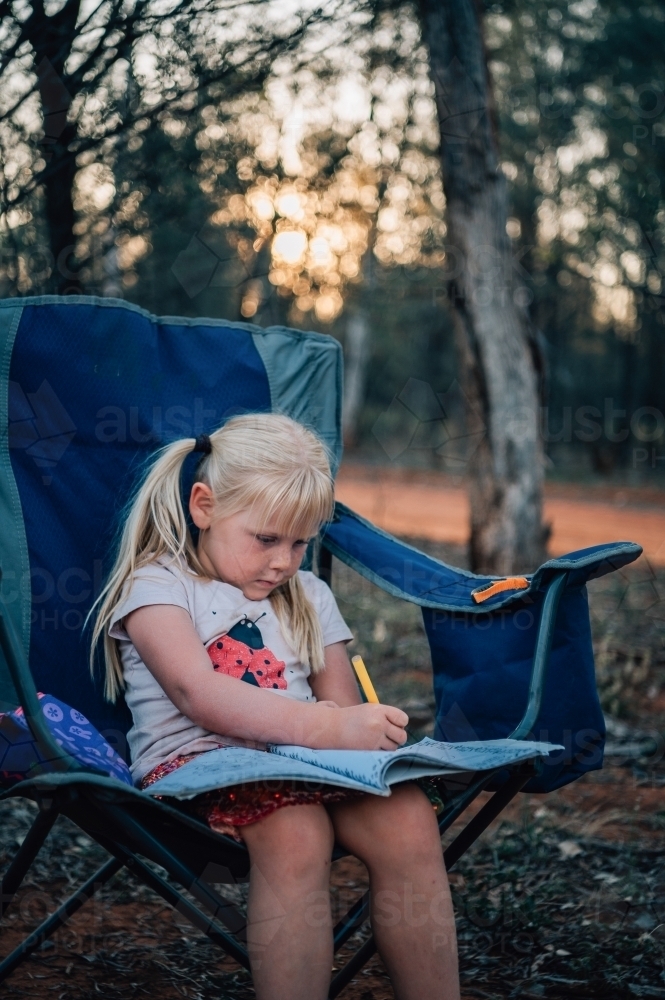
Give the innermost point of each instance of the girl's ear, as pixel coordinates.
(201, 505)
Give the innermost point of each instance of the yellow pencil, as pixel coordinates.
(363, 679)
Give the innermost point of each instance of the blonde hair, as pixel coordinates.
(265, 462)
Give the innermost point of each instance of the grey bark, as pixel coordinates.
(356, 357)
(497, 354)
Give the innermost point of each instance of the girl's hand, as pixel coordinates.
(353, 726)
(360, 727)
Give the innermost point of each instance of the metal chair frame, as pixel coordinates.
(135, 828)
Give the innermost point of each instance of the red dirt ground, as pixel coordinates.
(433, 505)
(121, 949)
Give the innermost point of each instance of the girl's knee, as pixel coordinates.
(401, 826)
(413, 806)
(297, 840)
(313, 838)
(414, 819)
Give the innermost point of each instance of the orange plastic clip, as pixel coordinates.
(497, 586)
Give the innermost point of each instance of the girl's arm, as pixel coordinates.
(168, 644)
(337, 682)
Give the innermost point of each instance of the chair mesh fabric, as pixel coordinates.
(482, 654)
(94, 391)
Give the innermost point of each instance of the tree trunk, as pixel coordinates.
(355, 366)
(60, 214)
(50, 38)
(497, 360)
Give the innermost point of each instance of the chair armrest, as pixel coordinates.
(541, 656)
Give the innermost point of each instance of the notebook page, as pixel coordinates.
(366, 767)
(376, 768)
(474, 755)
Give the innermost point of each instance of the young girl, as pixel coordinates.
(227, 642)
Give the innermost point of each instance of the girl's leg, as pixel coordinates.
(412, 916)
(289, 932)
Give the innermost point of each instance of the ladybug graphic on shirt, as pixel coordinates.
(241, 653)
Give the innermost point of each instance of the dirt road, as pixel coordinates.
(428, 505)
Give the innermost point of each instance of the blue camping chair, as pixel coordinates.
(88, 389)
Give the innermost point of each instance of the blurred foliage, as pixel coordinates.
(580, 98)
(318, 196)
(77, 82)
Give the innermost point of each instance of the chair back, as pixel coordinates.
(89, 389)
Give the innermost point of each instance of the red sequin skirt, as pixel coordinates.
(227, 809)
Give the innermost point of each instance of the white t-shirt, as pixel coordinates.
(243, 638)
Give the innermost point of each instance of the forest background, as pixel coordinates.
(300, 184)
(280, 163)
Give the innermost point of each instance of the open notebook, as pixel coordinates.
(365, 770)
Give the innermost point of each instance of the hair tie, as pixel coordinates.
(203, 444)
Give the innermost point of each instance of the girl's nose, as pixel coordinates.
(281, 557)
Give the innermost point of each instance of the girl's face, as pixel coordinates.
(238, 550)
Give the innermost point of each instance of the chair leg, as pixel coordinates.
(188, 910)
(484, 817)
(355, 964)
(61, 915)
(462, 800)
(25, 855)
(350, 923)
(211, 900)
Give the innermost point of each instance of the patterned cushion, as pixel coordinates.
(20, 756)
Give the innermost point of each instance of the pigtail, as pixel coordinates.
(299, 623)
(155, 526)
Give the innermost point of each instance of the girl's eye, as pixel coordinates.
(271, 539)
